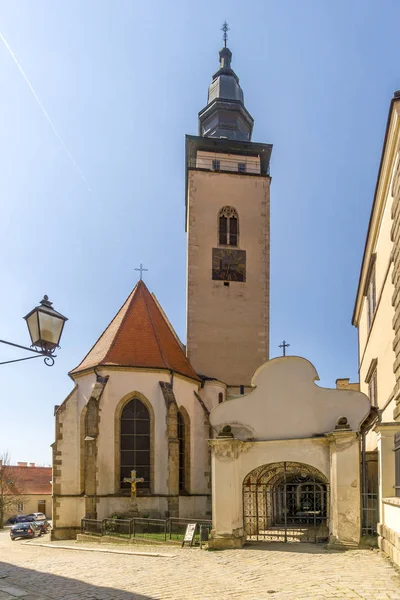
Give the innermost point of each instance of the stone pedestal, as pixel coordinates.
(345, 489)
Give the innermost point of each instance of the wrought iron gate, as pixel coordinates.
(286, 502)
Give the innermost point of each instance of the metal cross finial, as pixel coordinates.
(141, 269)
(284, 345)
(225, 29)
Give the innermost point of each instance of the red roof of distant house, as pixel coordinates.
(30, 480)
(138, 336)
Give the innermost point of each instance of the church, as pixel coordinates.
(213, 429)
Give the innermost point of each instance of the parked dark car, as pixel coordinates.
(12, 519)
(24, 519)
(44, 525)
(25, 530)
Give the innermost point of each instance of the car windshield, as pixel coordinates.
(22, 526)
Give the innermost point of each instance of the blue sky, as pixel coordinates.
(123, 82)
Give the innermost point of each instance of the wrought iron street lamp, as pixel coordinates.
(45, 327)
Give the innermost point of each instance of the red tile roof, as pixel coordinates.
(30, 480)
(138, 336)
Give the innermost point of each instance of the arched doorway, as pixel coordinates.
(287, 502)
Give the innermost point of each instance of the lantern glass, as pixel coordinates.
(45, 325)
(33, 326)
(50, 328)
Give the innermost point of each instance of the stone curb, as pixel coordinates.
(110, 551)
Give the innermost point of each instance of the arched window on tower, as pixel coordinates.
(228, 226)
(135, 443)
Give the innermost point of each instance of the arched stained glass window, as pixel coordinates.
(182, 452)
(135, 443)
(228, 226)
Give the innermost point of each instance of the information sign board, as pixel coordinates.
(189, 535)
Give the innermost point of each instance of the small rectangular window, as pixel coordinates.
(242, 167)
(216, 165)
(371, 298)
(397, 464)
(373, 389)
(20, 506)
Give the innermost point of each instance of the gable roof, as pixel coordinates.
(138, 336)
(29, 480)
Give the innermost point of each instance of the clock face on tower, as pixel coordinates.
(228, 264)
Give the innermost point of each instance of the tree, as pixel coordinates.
(11, 487)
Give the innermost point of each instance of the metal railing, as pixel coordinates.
(163, 530)
(370, 514)
(225, 164)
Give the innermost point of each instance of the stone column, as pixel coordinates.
(386, 432)
(227, 500)
(345, 488)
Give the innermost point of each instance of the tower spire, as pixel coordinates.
(225, 115)
(225, 29)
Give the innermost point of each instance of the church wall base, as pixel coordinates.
(155, 507)
(64, 533)
(195, 506)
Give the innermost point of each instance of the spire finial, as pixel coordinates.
(225, 29)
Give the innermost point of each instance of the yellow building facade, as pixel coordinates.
(377, 318)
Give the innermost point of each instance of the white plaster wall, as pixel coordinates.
(194, 507)
(286, 403)
(391, 516)
(210, 392)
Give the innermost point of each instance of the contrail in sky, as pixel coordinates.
(44, 111)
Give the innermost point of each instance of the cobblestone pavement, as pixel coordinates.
(277, 571)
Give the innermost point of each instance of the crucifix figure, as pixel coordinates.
(141, 269)
(225, 29)
(133, 480)
(284, 345)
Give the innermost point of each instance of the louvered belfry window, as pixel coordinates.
(135, 443)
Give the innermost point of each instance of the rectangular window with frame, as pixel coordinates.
(371, 293)
(372, 380)
(20, 506)
(242, 167)
(397, 464)
(216, 165)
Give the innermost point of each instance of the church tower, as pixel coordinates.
(227, 221)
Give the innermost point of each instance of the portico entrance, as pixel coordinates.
(286, 502)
